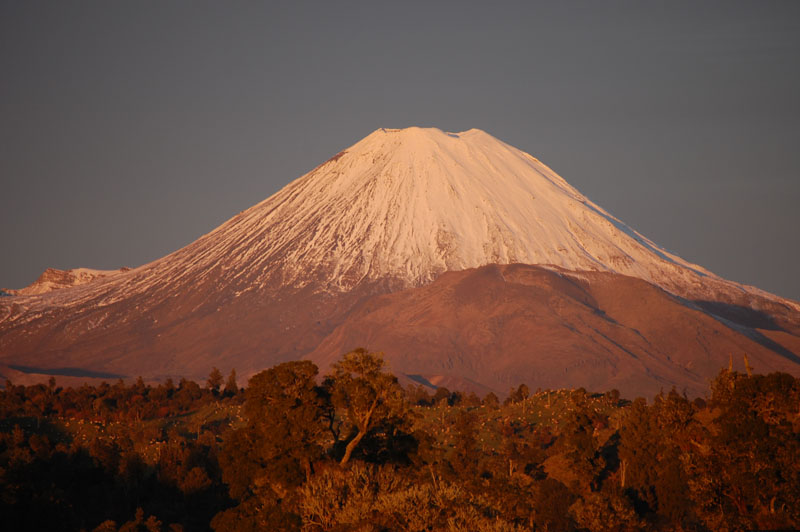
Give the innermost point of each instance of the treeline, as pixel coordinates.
(91, 457)
(355, 451)
(116, 402)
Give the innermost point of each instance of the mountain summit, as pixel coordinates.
(447, 224)
(402, 206)
(409, 204)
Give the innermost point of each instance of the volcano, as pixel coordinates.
(463, 259)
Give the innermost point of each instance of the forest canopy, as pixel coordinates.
(353, 450)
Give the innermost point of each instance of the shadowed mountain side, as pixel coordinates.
(755, 312)
(433, 382)
(504, 325)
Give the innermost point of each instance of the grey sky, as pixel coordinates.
(128, 129)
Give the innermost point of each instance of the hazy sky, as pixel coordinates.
(128, 129)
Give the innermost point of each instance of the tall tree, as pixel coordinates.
(214, 381)
(370, 397)
(651, 438)
(746, 474)
(265, 461)
(231, 388)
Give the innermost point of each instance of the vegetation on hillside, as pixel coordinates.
(352, 450)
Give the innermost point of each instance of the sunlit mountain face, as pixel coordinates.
(460, 257)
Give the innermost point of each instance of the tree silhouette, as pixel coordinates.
(369, 396)
(214, 381)
(265, 461)
(231, 388)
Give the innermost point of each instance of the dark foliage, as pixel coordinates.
(354, 451)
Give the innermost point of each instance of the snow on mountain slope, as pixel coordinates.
(403, 206)
(409, 204)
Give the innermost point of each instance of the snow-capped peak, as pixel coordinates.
(409, 204)
(403, 206)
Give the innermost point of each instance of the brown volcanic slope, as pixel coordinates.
(479, 329)
(504, 325)
(184, 334)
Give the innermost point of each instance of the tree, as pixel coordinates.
(650, 455)
(442, 395)
(285, 411)
(231, 388)
(491, 400)
(552, 501)
(471, 400)
(264, 462)
(466, 452)
(745, 475)
(370, 397)
(579, 446)
(605, 512)
(214, 381)
(518, 395)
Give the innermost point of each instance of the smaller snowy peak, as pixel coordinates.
(53, 279)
